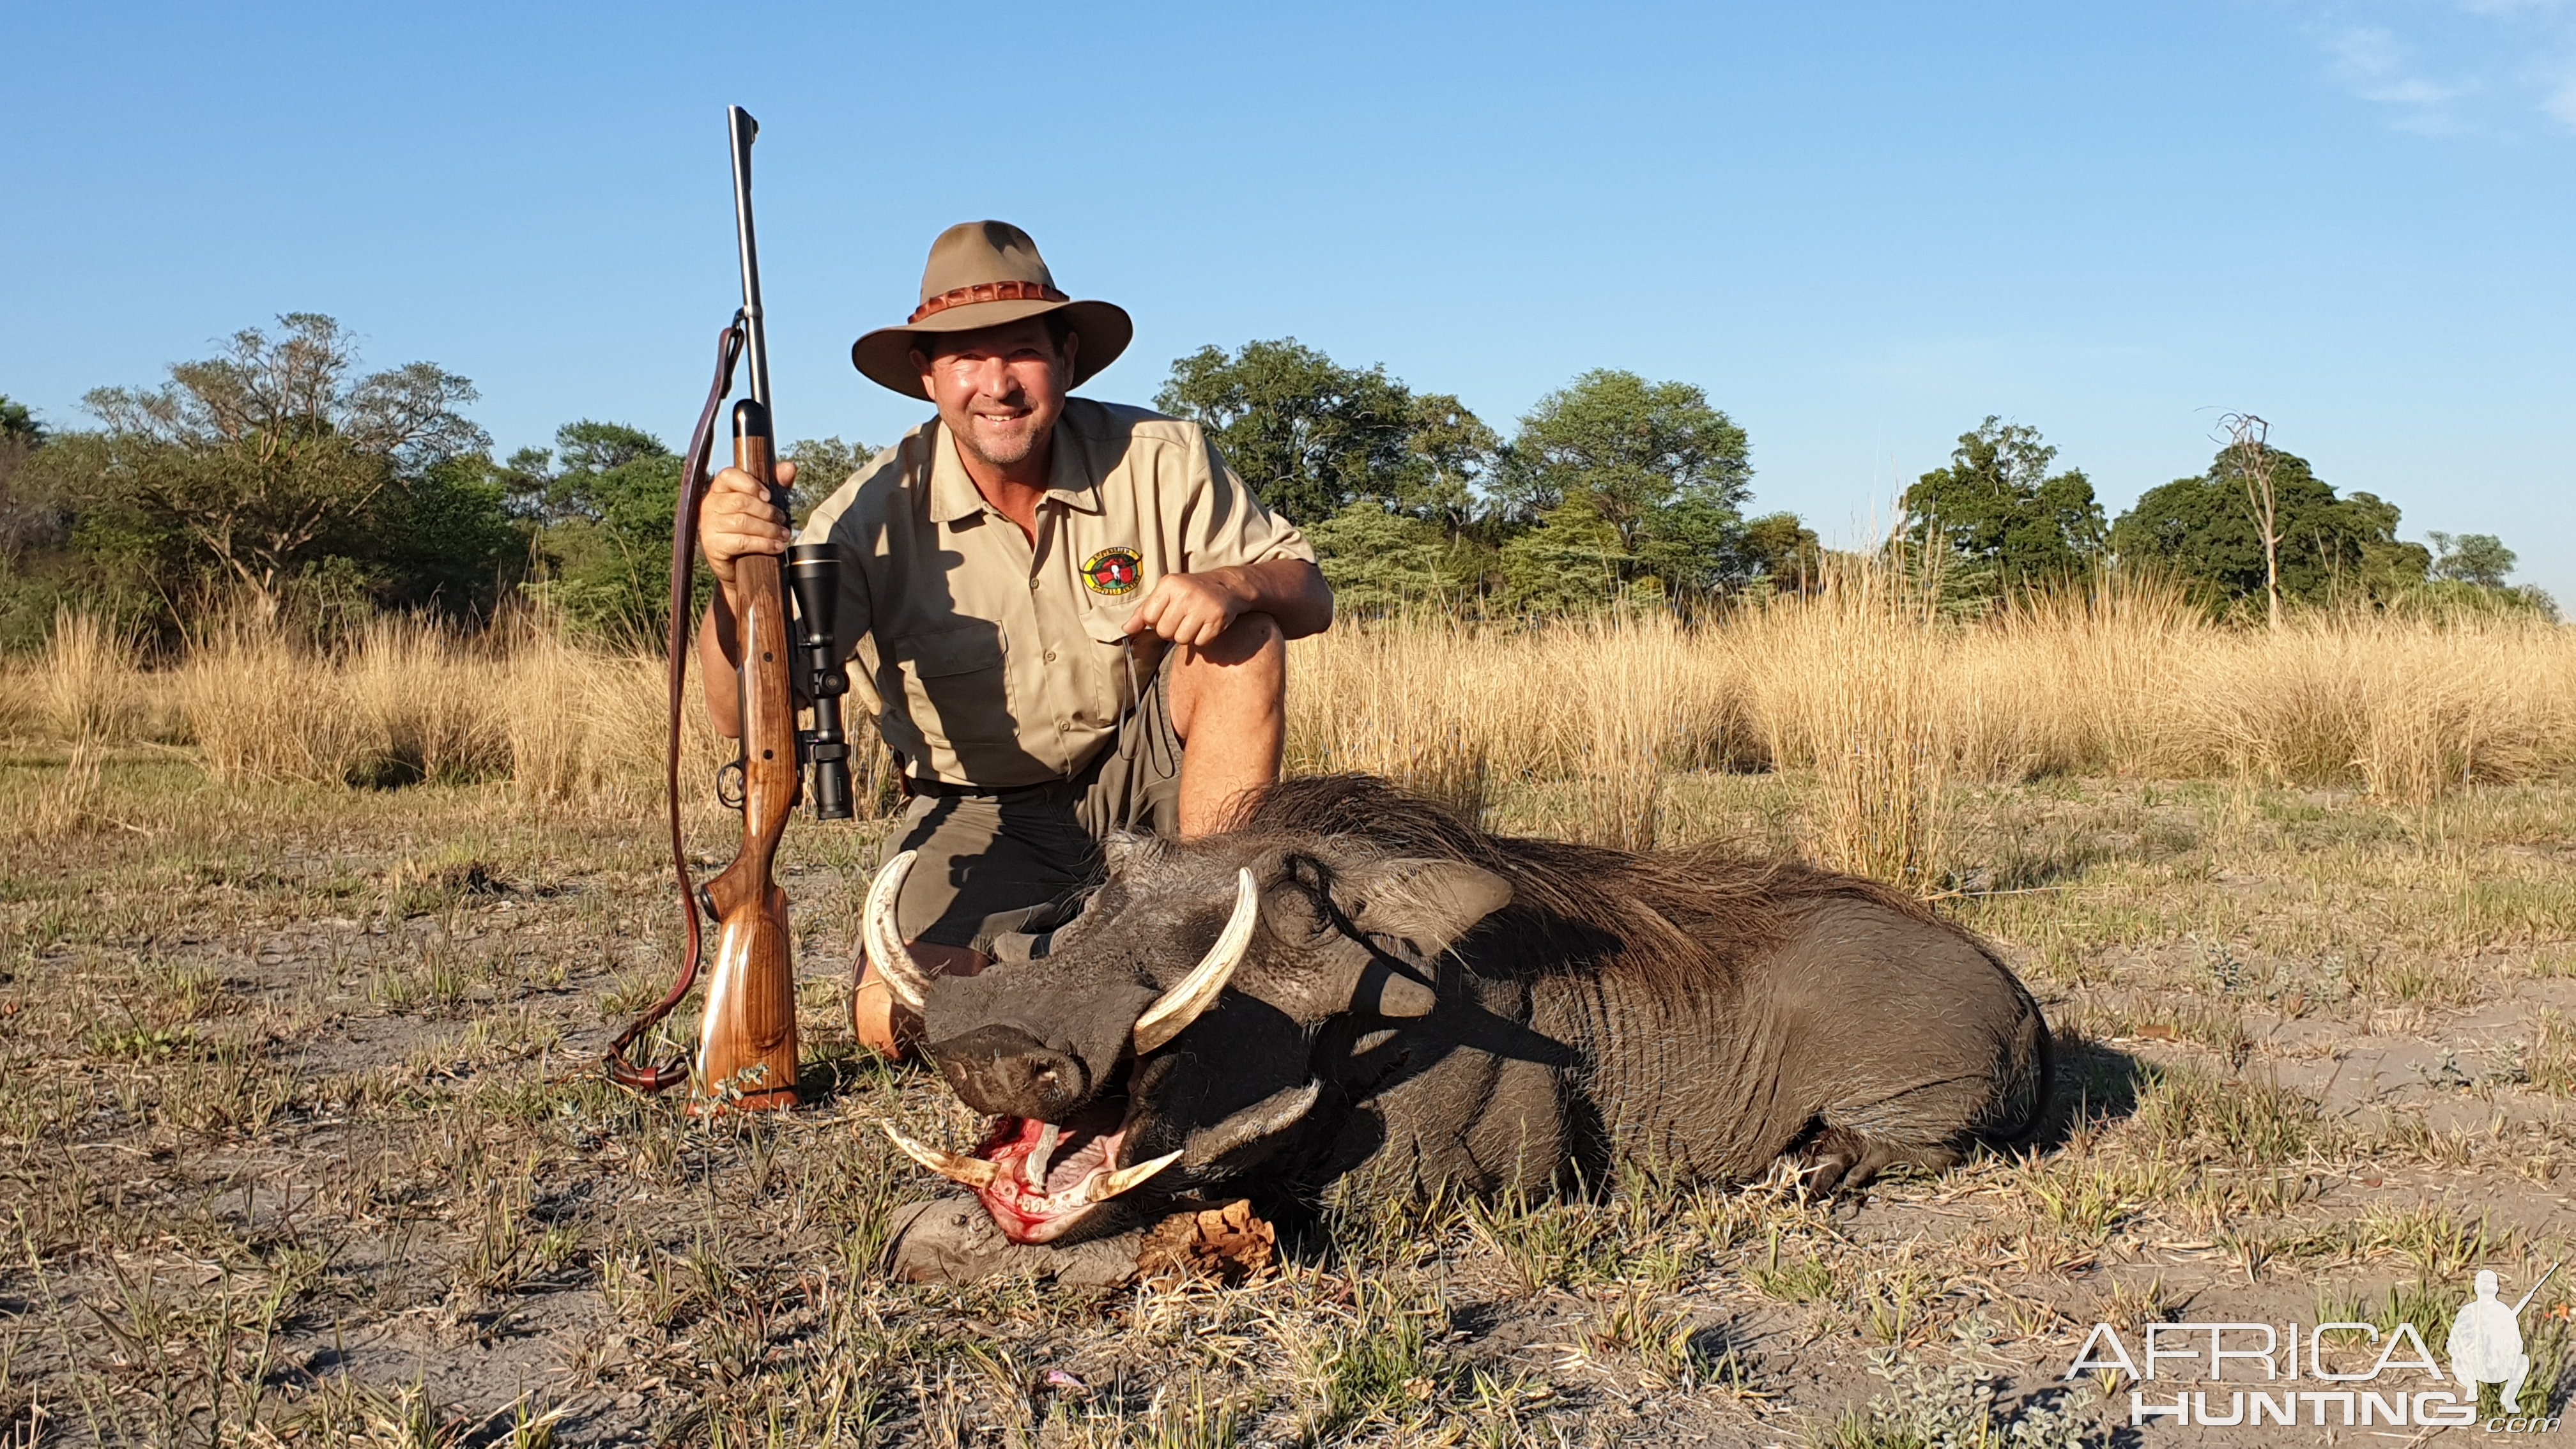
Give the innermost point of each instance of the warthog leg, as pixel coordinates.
(1841, 1160)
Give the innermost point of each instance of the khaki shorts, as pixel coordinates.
(992, 863)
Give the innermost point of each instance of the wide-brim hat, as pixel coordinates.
(983, 274)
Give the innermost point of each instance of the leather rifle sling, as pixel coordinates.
(694, 477)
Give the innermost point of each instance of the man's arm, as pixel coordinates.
(1195, 608)
(736, 519)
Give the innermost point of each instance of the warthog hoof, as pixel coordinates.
(953, 1240)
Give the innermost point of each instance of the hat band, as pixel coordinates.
(988, 292)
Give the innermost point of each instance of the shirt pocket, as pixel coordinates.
(1107, 623)
(956, 685)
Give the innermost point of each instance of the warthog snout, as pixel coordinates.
(1003, 1070)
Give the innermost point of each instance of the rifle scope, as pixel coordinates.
(814, 578)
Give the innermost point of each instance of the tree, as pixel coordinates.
(259, 456)
(22, 519)
(1624, 482)
(446, 542)
(604, 500)
(1574, 560)
(1785, 552)
(2004, 519)
(1632, 446)
(2203, 529)
(2471, 558)
(18, 424)
(822, 466)
(1311, 436)
(1383, 562)
(2249, 457)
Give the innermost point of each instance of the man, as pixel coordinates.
(1069, 617)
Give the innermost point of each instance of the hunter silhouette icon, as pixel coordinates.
(2486, 1340)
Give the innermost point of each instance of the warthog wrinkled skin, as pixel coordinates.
(1428, 1005)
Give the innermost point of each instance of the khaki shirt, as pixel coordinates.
(992, 662)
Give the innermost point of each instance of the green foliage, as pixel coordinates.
(18, 424)
(2452, 599)
(446, 543)
(1615, 488)
(1572, 561)
(25, 520)
(1784, 551)
(1625, 487)
(604, 515)
(2471, 558)
(2203, 529)
(1312, 437)
(279, 468)
(2004, 519)
(603, 500)
(594, 456)
(823, 465)
(1383, 562)
(1632, 447)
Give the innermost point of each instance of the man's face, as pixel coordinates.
(1000, 389)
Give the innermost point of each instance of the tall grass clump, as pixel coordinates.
(429, 707)
(1852, 682)
(2411, 710)
(584, 724)
(1607, 706)
(1869, 685)
(261, 707)
(86, 680)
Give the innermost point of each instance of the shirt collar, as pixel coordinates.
(1071, 480)
(955, 498)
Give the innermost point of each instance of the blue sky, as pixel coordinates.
(1860, 227)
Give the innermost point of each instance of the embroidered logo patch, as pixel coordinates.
(1113, 571)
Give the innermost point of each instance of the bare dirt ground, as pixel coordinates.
(302, 1140)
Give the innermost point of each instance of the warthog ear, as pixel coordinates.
(1415, 909)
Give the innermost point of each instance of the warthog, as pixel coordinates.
(1359, 987)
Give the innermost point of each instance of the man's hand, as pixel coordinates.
(738, 518)
(1191, 609)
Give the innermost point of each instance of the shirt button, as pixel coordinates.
(1033, 586)
(1050, 656)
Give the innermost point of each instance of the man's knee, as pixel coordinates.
(1252, 639)
(1242, 674)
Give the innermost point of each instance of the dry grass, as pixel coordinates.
(1863, 686)
(86, 684)
(1886, 703)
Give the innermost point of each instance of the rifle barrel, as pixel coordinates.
(756, 332)
(2535, 1290)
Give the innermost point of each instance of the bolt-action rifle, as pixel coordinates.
(747, 1044)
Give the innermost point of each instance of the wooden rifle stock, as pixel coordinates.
(747, 1046)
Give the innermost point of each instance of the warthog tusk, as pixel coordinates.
(1033, 1170)
(975, 1172)
(1181, 1005)
(1112, 1184)
(886, 951)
